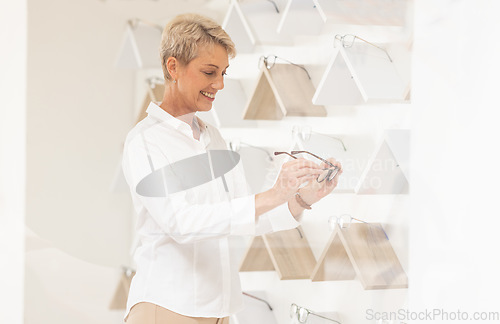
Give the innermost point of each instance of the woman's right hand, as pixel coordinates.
(292, 175)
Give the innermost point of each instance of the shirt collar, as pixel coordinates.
(154, 110)
(157, 112)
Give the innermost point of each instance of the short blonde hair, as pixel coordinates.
(183, 34)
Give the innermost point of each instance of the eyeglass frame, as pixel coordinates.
(264, 59)
(308, 311)
(342, 41)
(350, 221)
(333, 168)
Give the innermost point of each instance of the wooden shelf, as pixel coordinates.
(361, 251)
(119, 300)
(283, 90)
(373, 12)
(227, 110)
(388, 169)
(360, 74)
(255, 310)
(263, 20)
(287, 252)
(236, 25)
(154, 93)
(300, 17)
(139, 47)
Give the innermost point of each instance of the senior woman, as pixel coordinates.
(184, 271)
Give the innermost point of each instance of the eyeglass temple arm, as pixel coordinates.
(262, 300)
(327, 162)
(324, 317)
(278, 153)
(340, 38)
(383, 49)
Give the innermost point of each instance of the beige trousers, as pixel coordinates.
(148, 313)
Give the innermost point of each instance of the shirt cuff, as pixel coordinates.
(243, 216)
(281, 218)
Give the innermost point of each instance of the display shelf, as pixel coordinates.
(300, 17)
(228, 107)
(361, 251)
(155, 91)
(283, 90)
(256, 310)
(388, 169)
(257, 257)
(119, 300)
(288, 251)
(352, 151)
(263, 17)
(372, 12)
(139, 48)
(258, 165)
(360, 74)
(236, 25)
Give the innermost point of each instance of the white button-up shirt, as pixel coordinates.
(183, 262)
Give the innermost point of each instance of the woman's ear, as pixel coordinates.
(172, 67)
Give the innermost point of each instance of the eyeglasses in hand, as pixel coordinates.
(328, 174)
(303, 313)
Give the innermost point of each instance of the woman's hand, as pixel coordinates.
(314, 191)
(292, 175)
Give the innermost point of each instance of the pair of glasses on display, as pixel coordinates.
(345, 220)
(348, 40)
(328, 174)
(270, 60)
(302, 314)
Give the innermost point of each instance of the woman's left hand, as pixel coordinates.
(314, 191)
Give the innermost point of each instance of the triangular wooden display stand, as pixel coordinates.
(287, 252)
(373, 12)
(139, 46)
(228, 106)
(300, 17)
(119, 300)
(361, 251)
(388, 169)
(155, 93)
(283, 90)
(236, 25)
(360, 74)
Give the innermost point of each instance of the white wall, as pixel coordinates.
(12, 158)
(454, 264)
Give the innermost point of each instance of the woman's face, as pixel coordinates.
(199, 80)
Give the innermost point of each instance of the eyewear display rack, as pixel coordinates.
(373, 12)
(119, 300)
(361, 251)
(287, 252)
(360, 74)
(282, 90)
(388, 169)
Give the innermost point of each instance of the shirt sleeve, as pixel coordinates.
(191, 215)
(277, 219)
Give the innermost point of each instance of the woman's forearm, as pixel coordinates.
(270, 199)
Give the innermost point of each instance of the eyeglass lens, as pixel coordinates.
(302, 316)
(344, 221)
(293, 310)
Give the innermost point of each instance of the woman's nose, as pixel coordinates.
(219, 83)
